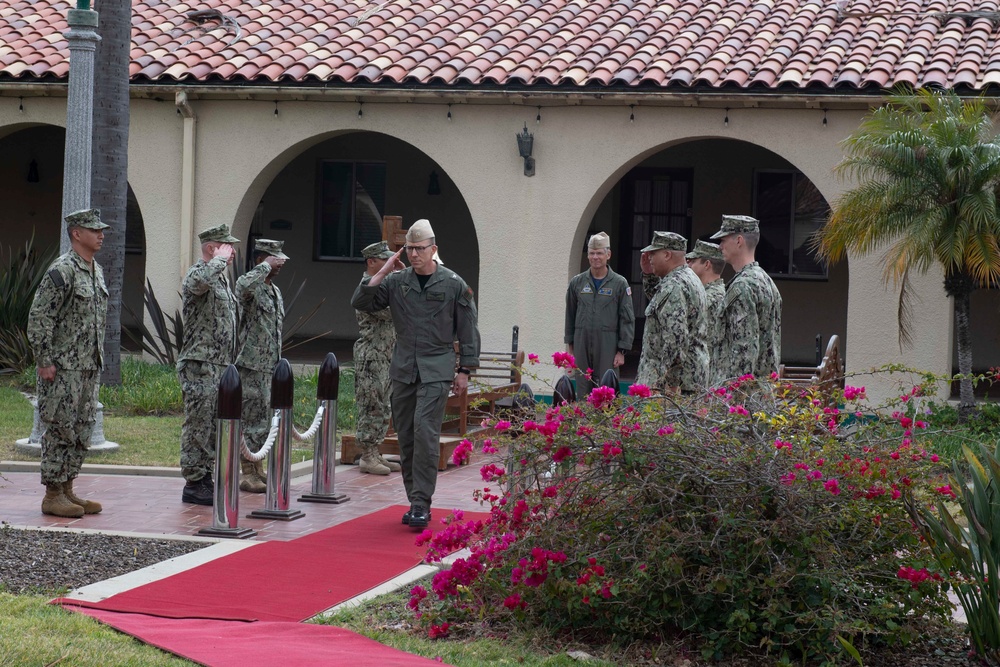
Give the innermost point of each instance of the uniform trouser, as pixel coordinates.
(594, 350)
(417, 414)
(200, 389)
(66, 407)
(255, 417)
(371, 396)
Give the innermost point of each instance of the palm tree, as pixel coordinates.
(927, 166)
(109, 180)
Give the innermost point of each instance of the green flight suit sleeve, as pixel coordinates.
(571, 303)
(467, 329)
(626, 319)
(369, 299)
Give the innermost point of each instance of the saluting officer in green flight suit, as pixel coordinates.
(600, 321)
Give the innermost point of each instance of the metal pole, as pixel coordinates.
(229, 432)
(324, 459)
(279, 463)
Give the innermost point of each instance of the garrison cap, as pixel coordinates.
(666, 241)
(705, 250)
(737, 224)
(271, 247)
(88, 219)
(218, 234)
(599, 241)
(420, 231)
(378, 250)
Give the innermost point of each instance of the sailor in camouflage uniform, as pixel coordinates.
(66, 333)
(600, 319)
(674, 353)
(262, 316)
(210, 314)
(752, 311)
(372, 354)
(707, 263)
(431, 307)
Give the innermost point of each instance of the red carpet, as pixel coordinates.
(281, 581)
(202, 614)
(236, 644)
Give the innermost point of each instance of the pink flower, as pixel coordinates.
(610, 451)
(514, 602)
(640, 390)
(561, 454)
(532, 358)
(739, 410)
(946, 490)
(788, 478)
(781, 444)
(491, 472)
(601, 397)
(488, 447)
(503, 425)
(564, 360)
(462, 452)
(935, 458)
(833, 486)
(666, 430)
(438, 631)
(851, 393)
(417, 593)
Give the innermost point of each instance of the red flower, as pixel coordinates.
(438, 631)
(640, 390)
(564, 360)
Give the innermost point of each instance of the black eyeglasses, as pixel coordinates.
(416, 248)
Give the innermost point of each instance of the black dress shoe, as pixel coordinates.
(199, 492)
(420, 516)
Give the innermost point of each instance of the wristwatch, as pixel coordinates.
(464, 370)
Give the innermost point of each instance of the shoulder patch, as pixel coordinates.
(57, 278)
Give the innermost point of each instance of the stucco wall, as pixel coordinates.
(528, 231)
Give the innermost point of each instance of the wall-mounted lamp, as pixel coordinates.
(525, 140)
(32, 172)
(433, 186)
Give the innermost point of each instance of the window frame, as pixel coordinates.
(809, 277)
(318, 216)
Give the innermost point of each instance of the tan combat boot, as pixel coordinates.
(57, 504)
(89, 506)
(258, 468)
(248, 478)
(370, 462)
(391, 465)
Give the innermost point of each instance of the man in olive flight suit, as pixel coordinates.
(600, 320)
(431, 308)
(707, 263)
(372, 354)
(66, 334)
(263, 314)
(210, 314)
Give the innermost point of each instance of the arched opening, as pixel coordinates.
(327, 202)
(686, 188)
(31, 180)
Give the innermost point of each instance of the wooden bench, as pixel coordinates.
(497, 378)
(826, 377)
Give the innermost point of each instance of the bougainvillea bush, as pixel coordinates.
(754, 517)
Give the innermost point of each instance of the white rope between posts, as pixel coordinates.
(273, 433)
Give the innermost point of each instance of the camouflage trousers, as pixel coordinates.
(200, 389)
(371, 398)
(66, 407)
(256, 414)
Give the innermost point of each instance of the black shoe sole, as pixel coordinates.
(406, 519)
(419, 523)
(197, 499)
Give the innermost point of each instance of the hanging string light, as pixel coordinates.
(538, 117)
(449, 112)
(631, 113)
(824, 118)
(276, 108)
(20, 104)
(725, 121)
(361, 111)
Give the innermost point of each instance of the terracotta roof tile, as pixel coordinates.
(661, 43)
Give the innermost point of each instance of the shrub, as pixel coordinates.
(19, 279)
(747, 518)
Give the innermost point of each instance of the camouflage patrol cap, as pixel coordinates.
(88, 219)
(378, 250)
(271, 247)
(737, 224)
(219, 234)
(666, 241)
(705, 250)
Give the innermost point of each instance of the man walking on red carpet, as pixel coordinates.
(431, 308)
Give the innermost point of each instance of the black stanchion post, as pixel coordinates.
(228, 433)
(279, 463)
(610, 379)
(563, 392)
(324, 454)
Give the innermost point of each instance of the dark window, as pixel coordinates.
(350, 207)
(790, 210)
